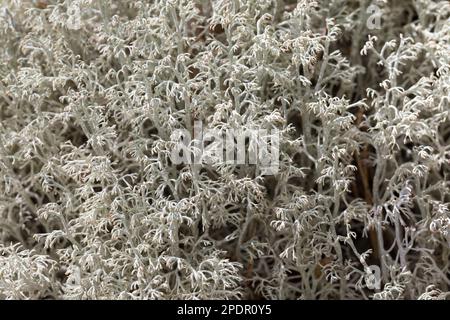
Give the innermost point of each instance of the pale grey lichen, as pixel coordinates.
(91, 206)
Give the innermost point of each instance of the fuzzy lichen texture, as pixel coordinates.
(94, 94)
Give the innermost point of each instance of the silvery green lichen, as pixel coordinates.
(92, 207)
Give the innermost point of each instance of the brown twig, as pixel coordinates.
(364, 174)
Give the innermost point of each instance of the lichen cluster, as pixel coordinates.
(92, 207)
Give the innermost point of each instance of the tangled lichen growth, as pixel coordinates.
(92, 207)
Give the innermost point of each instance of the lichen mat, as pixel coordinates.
(350, 103)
